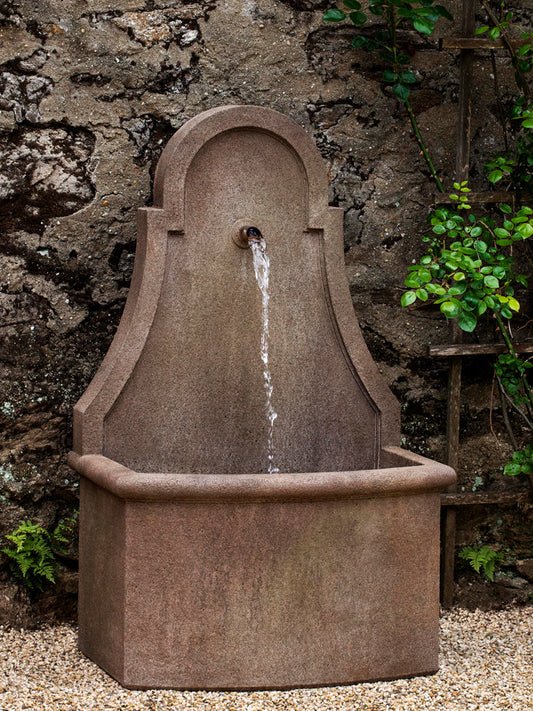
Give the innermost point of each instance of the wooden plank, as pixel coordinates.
(447, 561)
(454, 411)
(483, 198)
(476, 43)
(464, 349)
(483, 498)
(464, 119)
(448, 518)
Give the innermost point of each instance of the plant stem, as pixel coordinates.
(521, 78)
(528, 422)
(505, 415)
(501, 111)
(505, 334)
(423, 148)
(392, 24)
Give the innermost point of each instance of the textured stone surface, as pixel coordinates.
(91, 92)
(525, 568)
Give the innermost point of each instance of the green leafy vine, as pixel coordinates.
(419, 15)
(469, 267)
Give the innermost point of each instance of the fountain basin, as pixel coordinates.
(254, 581)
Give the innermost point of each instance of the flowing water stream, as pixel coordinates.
(262, 274)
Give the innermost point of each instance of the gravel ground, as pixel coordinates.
(486, 663)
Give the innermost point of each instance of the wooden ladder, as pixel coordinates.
(466, 45)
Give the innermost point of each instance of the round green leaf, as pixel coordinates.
(408, 77)
(358, 18)
(526, 230)
(412, 281)
(443, 12)
(408, 298)
(467, 322)
(451, 309)
(422, 294)
(352, 4)
(334, 15)
(471, 299)
(421, 24)
(491, 282)
(359, 42)
(512, 469)
(500, 232)
(401, 91)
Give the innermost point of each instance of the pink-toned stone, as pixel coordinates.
(197, 568)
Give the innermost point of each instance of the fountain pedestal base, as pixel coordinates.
(254, 589)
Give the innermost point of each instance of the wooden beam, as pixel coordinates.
(484, 198)
(447, 562)
(476, 43)
(483, 498)
(465, 349)
(454, 411)
(448, 519)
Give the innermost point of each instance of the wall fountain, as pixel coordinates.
(247, 517)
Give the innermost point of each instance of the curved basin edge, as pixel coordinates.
(418, 476)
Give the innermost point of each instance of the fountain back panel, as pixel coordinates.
(201, 566)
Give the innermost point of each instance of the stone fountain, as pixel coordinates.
(203, 565)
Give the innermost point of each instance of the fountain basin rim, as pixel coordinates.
(417, 475)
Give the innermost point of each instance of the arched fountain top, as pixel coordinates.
(181, 387)
(180, 151)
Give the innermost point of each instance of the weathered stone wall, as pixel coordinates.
(90, 93)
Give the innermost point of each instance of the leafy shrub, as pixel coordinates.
(468, 269)
(32, 557)
(482, 559)
(522, 462)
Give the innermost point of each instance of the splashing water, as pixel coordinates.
(262, 273)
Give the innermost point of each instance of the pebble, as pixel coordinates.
(486, 663)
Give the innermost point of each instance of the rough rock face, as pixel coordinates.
(89, 94)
